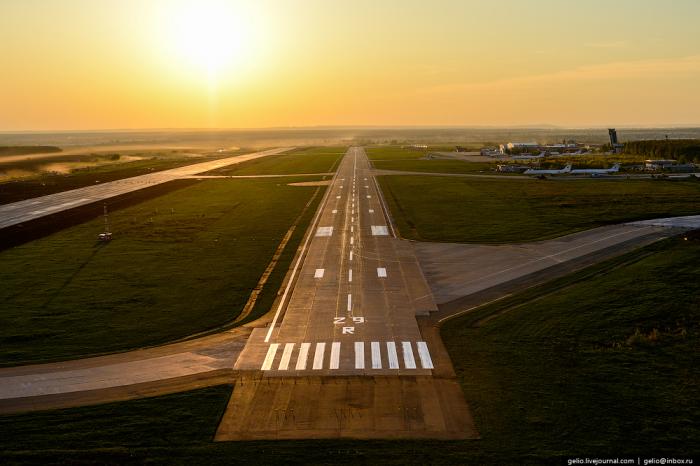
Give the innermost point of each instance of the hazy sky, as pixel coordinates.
(89, 64)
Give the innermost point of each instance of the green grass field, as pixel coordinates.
(602, 363)
(445, 209)
(435, 166)
(179, 264)
(306, 160)
(393, 153)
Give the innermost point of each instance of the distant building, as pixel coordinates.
(614, 143)
(661, 164)
(490, 152)
(511, 168)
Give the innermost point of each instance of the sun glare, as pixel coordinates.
(211, 36)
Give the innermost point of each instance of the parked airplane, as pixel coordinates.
(596, 171)
(533, 171)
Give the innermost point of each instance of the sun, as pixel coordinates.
(211, 36)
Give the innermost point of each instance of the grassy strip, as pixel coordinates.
(435, 166)
(429, 208)
(605, 366)
(576, 372)
(183, 263)
(306, 160)
(394, 153)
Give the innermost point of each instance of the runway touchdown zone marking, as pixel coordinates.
(324, 231)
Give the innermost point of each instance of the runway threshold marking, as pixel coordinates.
(270, 356)
(408, 359)
(318, 356)
(359, 355)
(335, 355)
(286, 356)
(303, 356)
(393, 356)
(424, 355)
(376, 355)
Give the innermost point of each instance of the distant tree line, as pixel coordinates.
(23, 150)
(683, 150)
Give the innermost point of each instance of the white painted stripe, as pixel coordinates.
(286, 356)
(350, 255)
(359, 355)
(393, 357)
(349, 302)
(371, 211)
(324, 231)
(319, 273)
(381, 272)
(335, 355)
(366, 186)
(318, 356)
(424, 355)
(352, 219)
(376, 355)
(341, 187)
(368, 196)
(270, 356)
(350, 275)
(303, 356)
(335, 211)
(352, 240)
(337, 197)
(379, 230)
(352, 228)
(408, 359)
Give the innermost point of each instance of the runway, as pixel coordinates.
(351, 309)
(30, 209)
(343, 355)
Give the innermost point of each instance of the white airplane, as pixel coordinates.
(596, 171)
(533, 171)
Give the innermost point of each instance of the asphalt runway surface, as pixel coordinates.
(30, 209)
(343, 355)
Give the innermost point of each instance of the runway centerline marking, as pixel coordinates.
(335, 211)
(381, 272)
(349, 302)
(371, 211)
(319, 273)
(350, 275)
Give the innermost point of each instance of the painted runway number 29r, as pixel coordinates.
(342, 320)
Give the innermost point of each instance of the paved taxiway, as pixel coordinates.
(30, 209)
